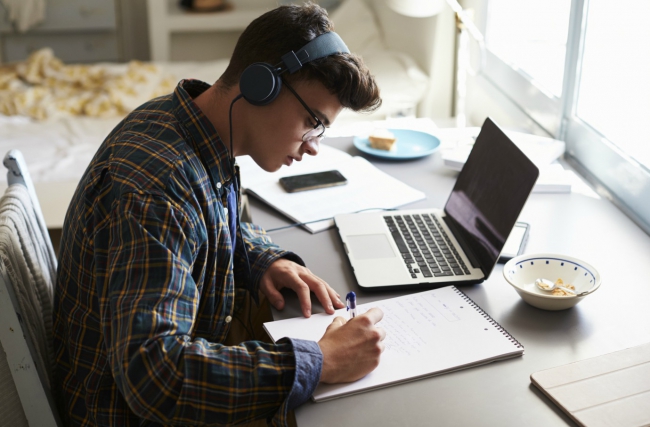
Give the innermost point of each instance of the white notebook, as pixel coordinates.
(428, 333)
(367, 188)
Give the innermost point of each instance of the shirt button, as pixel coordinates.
(226, 211)
(228, 319)
(218, 185)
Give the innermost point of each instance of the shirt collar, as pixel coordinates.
(204, 138)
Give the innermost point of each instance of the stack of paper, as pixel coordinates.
(458, 142)
(367, 188)
(554, 179)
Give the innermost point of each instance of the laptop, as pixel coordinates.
(457, 245)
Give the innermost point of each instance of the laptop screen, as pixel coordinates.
(489, 194)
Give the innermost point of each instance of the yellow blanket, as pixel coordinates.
(43, 87)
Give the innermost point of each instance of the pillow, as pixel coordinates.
(357, 26)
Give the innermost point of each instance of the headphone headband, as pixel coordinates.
(324, 45)
(260, 82)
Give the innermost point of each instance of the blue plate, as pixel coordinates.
(411, 144)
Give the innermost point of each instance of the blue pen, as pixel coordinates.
(351, 303)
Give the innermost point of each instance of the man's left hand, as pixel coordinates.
(287, 274)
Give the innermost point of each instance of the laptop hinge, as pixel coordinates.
(462, 242)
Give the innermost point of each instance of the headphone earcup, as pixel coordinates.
(260, 84)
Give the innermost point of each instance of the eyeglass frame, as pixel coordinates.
(320, 136)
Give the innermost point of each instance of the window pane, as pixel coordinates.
(614, 91)
(530, 36)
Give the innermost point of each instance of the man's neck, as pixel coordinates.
(215, 104)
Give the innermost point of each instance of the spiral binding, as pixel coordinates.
(493, 322)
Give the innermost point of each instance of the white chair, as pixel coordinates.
(27, 273)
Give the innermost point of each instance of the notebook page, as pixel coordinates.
(426, 334)
(367, 188)
(328, 158)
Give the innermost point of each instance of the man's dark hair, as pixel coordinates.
(290, 27)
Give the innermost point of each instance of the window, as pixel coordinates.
(531, 38)
(580, 69)
(614, 89)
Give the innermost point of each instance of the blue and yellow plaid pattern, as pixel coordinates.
(147, 283)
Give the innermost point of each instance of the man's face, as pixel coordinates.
(275, 131)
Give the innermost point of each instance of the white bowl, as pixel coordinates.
(521, 272)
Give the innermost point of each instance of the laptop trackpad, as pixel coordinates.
(370, 246)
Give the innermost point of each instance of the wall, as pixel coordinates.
(134, 29)
(207, 46)
(187, 46)
(439, 100)
(76, 30)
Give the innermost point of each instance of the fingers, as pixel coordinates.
(302, 291)
(273, 295)
(285, 273)
(382, 333)
(337, 323)
(374, 315)
(322, 291)
(351, 349)
(336, 298)
(382, 337)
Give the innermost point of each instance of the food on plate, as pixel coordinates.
(383, 139)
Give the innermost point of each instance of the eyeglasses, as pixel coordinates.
(317, 133)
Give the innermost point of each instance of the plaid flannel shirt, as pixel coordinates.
(148, 283)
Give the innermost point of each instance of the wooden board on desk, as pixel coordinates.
(612, 389)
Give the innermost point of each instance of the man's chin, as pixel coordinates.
(268, 167)
(270, 164)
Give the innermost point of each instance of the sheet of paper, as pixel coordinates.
(427, 333)
(554, 179)
(367, 188)
(328, 158)
(458, 143)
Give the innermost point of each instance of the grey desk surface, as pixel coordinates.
(498, 394)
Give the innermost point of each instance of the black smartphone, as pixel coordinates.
(516, 242)
(311, 181)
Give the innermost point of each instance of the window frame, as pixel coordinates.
(613, 173)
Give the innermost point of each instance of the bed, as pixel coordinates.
(58, 147)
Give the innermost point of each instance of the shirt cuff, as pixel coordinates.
(309, 364)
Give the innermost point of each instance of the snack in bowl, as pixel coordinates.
(562, 292)
(383, 139)
(522, 271)
(559, 288)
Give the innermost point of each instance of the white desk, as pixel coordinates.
(497, 394)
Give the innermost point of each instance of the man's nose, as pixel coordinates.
(311, 147)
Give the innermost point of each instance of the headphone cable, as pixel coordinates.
(232, 153)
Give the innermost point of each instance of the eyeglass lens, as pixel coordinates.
(315, 134)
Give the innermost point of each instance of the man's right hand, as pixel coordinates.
(351, 349)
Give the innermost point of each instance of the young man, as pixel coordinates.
(156, 273)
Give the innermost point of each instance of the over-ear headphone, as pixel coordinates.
(260, 83)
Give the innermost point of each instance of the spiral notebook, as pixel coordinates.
(428, 333)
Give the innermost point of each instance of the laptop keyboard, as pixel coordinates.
(424, 246)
